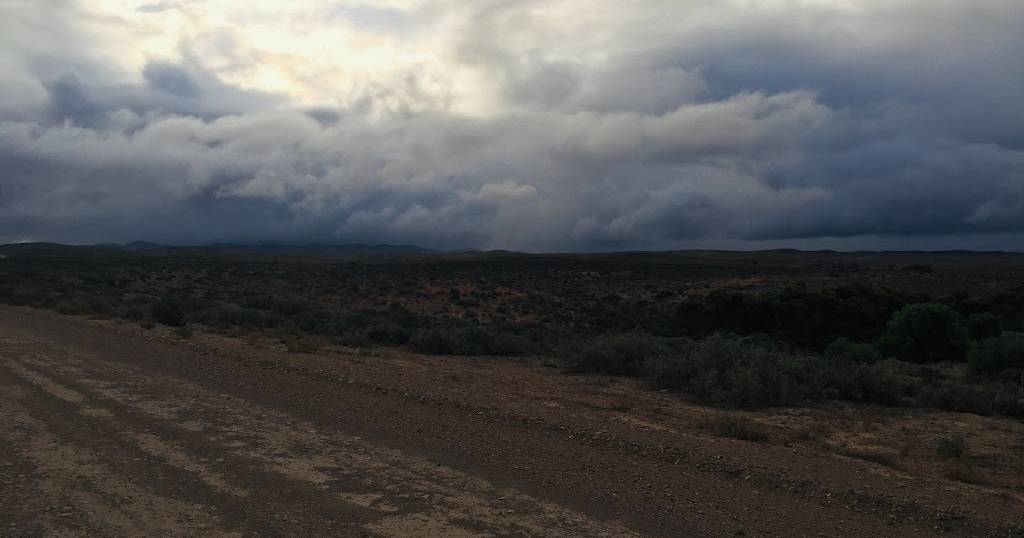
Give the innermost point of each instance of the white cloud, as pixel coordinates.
(531, 124)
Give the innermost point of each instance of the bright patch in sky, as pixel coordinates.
(529, 124)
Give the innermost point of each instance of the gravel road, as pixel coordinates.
(114, 432)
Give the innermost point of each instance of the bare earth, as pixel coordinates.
(107, 429)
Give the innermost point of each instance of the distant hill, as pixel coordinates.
(144, 245)
(56, 249)
(147, 248)
(326, 251)
(353, 248)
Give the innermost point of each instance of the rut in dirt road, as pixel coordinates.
(103, 448)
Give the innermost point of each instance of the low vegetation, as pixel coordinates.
(468, 341)
(730, 333)
(736, 427)
(953, 446)
(731, 371)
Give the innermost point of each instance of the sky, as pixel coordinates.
(538, 125)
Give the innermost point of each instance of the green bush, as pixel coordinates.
(1009, 400)
(984, 325)
(958, 397)
(304, 344)
(623, 354)
(27, 297)
(734, 427)
(952, 446)
(102, 304)
(230, 315)
(433, 341)
(807, 318)
(925, 332)
(171, 310)
(845, 350)
(732, 372)
(735, 372)
(356, 339)
(388, 333)
(993, 355)
(73, 307)
(316, 321)
(869, 383)
(132, 312)
(468, 341)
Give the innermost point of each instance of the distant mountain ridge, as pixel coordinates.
(265, 251)
(152, 248)
(345, 247)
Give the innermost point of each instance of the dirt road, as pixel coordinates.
(110, 430)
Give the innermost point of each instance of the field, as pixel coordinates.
(750, 389)
(824, 322)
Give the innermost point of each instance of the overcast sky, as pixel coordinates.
(543, 125)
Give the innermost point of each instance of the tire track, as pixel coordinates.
(141, 451)
(409, 496)
(85, 488)
(147, 442)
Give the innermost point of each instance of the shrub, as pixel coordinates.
(734, 372)
(925, 332)
(952, 446)
(231, 315)
(357, 339)
(807, 318)
(845, 350)
(387, 333)
(30, 296)
(316, 321)
(984, 325)
(624, 354)
(171, 310)
(283, 307)
(102, 304)
(956, 396)
(304, 344)
(468, 341)
(73, 307)
(501, 343)
(869, 383)
(919, 268)
(1009, 400)
(134, 313)
(434, 341)
(734, 427)
(993, 355)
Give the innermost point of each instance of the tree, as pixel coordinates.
(994, 355)
(925, 332)
(984, 325)
(171, 310)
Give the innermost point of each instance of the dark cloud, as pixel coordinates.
(890, 127)
(69, 101)
(170, 78)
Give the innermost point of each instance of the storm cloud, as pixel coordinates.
(554, 125)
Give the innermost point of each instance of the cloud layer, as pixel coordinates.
(538, 125)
